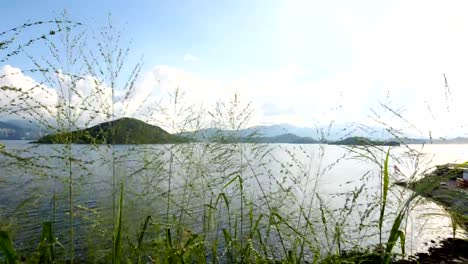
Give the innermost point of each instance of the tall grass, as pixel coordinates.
(220, 201)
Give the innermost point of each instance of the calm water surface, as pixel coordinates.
(178, 182)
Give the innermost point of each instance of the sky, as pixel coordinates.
(299, 62)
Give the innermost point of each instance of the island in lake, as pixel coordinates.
(121, 131)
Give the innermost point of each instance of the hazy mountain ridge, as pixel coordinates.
(362, 141)
(281, 133)
(331, 132)
(457, 140)
(11, 130)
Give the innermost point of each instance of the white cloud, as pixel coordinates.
(190, 57)
(283, 95)
(403, 54)
(23, 97)
(291, 94)
(27, 98)
(295, 96)
(154, 92)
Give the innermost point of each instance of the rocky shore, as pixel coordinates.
(441, 186)
(450, 250)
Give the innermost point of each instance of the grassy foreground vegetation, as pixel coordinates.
(180, 203)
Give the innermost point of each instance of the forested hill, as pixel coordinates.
(121, 131)
(360, 141)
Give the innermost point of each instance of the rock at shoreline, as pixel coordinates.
(441, 186)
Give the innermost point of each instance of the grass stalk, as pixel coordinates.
(383, 202)
(117, 255)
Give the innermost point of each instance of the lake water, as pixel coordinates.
(178, 184)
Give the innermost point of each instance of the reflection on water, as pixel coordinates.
(181, 182)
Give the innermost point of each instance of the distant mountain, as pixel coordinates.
(244, 136)
(281, 129)
(120, 131)
(330, 132)
(7, 125)
(282, 133)
(323, 133)
(457, 140)
(14, 131)
(286, 139)
(412, 140)
(361, 141)
(21, 123)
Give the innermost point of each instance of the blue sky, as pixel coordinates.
(299, 62)
(230, 36)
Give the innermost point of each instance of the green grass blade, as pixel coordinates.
(191, 240)
(228, 241)
(393, 237)
(45, 250)
(168, 238)
(395, 232)
(225, 199)
(6, 246)
(140, 236)
(263, 246)
(214, 250)
(402, 237)
(385, 183)
(238, 177)
(142, 232)
(255, 227)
